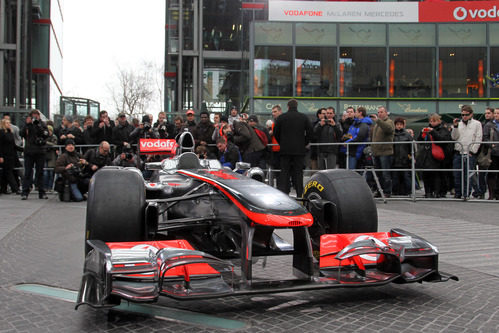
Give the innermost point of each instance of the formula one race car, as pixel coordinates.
(196, 230)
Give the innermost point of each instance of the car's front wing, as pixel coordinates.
(142, 271)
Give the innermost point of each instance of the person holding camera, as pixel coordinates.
(144, 131)
(98, 158)
(35, 134)
(71, 166)
(127, 158)
(164, 129)
(327, 130)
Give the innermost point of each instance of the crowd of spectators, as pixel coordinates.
(288, 142)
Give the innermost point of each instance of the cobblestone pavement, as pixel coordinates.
(42, 242)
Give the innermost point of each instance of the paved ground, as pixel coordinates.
(42, 242)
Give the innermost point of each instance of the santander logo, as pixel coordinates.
(460, 13)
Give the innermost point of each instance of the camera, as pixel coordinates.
(327, 121)
(147, 126)
(162, 128)
(75, 170)
(128, 156)
(40, 141)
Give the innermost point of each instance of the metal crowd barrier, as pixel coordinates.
(465, 177)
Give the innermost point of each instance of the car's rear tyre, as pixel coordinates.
(353, 209)
(115, 206)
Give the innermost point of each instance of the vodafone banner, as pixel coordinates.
(459, 11)
(318, 11)
(384, 12)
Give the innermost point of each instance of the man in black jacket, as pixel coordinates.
(327, 130)
(293, 131)
(98, 158)
(121, 133)
(35, 133)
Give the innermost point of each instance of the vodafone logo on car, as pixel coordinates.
(461, 13)
(157, 145)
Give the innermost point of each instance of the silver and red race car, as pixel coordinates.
(197, 230)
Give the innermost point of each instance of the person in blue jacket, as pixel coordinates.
(357, 132)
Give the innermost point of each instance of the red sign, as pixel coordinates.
(459, 11)
(157, 146)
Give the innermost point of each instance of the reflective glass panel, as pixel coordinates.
(462, 34)
(363, 34)
(362, 72)
(411, 72)
(462, 71)
(315, 34)
(315, 71)
(273, 33)
(492, 79)
(273, 71)
(222, 25)
(411, 34)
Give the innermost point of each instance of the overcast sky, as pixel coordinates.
(99, 35)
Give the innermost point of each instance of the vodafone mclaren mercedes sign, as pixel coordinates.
(387, 12)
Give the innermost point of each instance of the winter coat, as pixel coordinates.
(245, 138)
(358, 132)
(382, 132)
(424, 157)
(230, 156)
(402, 152)
(104, 133)
(75, 131)
(328, 134)
(121, 133)
(8, 149)
(64, 160)
(494, 125)
(466, 134)
(293, 131)
(34, 138)
(51, 156)
(203, 132)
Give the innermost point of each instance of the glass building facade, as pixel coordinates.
(229, 52)
(30, 56)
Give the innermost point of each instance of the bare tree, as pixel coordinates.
(134, 92)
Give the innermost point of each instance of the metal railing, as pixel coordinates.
(466, 177)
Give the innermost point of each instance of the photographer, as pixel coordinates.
(35, 133)
(144, 131)
(71, 166)
(127, 158)
(327, 130)
(98, 158)
(163, 128)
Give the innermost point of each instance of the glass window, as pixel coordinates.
(272, 71)
(188, 25)
(315, 34)
(315, 71)
(40, 56)
(222, 25)
(362, 72)
(494, 34)
(411, 72)
(461, 72)
(363, 34)
(221, 83)
(462, 34)
(492, 78)
(412, 34)
(273, 33)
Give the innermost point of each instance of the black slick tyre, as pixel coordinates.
(115, 206)
(353, 209)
